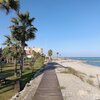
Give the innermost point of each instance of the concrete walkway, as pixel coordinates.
(49, 88)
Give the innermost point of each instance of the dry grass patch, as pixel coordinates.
(80, 75)
(69, 70)
(89, 81)
(62, 87)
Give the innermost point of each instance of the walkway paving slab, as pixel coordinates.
(49, 88)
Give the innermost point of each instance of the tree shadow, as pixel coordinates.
(6, 90)
(6, 87)
(7, 65)
(7, 73)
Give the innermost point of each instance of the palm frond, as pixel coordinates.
(23, 29)
(15, 21)
(14, 4)
(7, 5)
(8, 41)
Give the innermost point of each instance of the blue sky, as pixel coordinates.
(71, 27)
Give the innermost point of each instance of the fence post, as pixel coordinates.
(98, 80)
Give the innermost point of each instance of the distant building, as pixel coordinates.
(29, 51)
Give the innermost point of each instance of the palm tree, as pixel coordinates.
(9, 5)
(57, 54)
(50, 53)
(6, 50)
(12, 50)
(22, 30)
(35, 55)
(8, 41)
(15, 54)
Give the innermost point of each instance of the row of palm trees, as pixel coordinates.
(50, 53)
(21, 29)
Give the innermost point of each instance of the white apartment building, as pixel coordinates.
(29, 51)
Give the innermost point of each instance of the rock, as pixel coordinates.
(97, 97)
(82, 93)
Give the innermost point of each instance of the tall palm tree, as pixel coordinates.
(22, 30)
(9, 5)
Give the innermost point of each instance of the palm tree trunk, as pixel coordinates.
(21, 65)
(23, 52)
(1, 67)
(15, 66)
(22, 61)
(7, 60)
(12, 59)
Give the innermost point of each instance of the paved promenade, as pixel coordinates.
(49, 88)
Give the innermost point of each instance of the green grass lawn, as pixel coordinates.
(8, 90)
(8, 94)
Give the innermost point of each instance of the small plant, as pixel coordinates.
(62, 87)
(91, 76)
(90, 82)
(70, 70)
(81, 77)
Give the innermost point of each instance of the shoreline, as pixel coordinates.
(80, 66)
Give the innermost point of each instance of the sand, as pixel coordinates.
(72, 87)
(80, 66)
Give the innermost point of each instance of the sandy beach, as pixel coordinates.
(80, 66)
(79, 84)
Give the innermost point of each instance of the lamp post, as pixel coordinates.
(57, 54)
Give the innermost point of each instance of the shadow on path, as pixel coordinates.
(48, 66)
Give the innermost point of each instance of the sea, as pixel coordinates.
(89, 60)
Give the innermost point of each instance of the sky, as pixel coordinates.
(70, 27)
